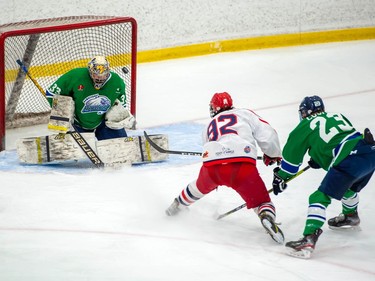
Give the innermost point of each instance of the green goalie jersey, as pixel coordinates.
(327, 137)
(90, 104)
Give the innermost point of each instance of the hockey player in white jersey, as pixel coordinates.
(229, 158)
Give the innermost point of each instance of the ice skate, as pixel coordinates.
(173, 209)
(303, 247)
(272, 229)
(344, 222)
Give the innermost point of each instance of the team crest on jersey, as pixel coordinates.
(96, 103)
(247, 149)
(80, 87)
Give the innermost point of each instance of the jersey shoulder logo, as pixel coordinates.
(247, 149)
(96, 103)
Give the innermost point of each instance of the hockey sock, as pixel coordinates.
(316, 213)
(350, 202)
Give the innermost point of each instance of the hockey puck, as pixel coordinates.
(125, 70)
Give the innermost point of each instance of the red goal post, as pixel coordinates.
(50, 47)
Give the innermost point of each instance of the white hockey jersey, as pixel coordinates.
(233, 136)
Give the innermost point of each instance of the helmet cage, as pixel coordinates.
(99, 71)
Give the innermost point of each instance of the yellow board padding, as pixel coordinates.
(233, 45)
(262, 42)
(56, 69)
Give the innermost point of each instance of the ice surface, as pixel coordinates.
(75, 222)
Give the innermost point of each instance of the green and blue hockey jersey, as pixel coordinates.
(327, 138)
(90, 104)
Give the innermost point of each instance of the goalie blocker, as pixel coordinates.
(62, 114)
(60, 148)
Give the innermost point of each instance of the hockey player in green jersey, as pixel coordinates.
(336, 146)
(99, 99)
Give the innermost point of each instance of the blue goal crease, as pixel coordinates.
(181, 136)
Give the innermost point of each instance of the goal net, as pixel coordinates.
(50, 47)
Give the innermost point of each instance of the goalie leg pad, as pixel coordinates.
(55, 148)
(117, 151)
(62, 114)
(131, 150)
(150, 154)
(58, 148)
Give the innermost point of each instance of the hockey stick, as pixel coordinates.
(82, 143)
(24, 69)
(162, 150)
(178, 152)
(269, 191)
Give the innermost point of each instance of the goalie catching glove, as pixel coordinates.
(119, 117)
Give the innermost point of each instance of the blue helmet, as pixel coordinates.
(310, 105)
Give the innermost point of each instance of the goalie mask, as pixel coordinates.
(220, 102)
(99, 71)
(309, 106)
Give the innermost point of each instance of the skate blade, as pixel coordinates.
(277, 237)
(346, 228)
(301, 254)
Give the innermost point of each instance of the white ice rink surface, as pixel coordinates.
(66, 224)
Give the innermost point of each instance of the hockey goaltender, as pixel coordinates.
(88, 120)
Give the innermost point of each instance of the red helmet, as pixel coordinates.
(220, 102)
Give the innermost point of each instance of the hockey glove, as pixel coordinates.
(313, 164)
(119, 117)
(62, 114)
(268, 161)
(368, 137)
(278, 183)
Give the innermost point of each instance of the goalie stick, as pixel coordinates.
(82, 143)
(178, 152)
(269, 191)
(24, 69)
